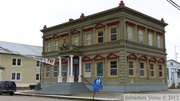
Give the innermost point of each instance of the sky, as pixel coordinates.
(22, 20)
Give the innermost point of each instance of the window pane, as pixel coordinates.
(88, 38)
(113, 30)
(129, 34)
(47, 71)
(13, 76)
(37, 63)
(113, 72)
(141, 72)
(141, 69)
(55, 71)
(100, 69)
(140, 37)
(100, 39)
(13, 61)
(37, 76)
(131, 69)
(100, 36)
(131, 72)
(113, 68)
(18, 76)
(159, 42)
(150, 39)
(87, 70)
(19, 62)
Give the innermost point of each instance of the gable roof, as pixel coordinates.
(22, 49)
(173, 61)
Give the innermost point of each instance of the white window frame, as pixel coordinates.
(55, 45)
(130, 33)
(158, 41)
(48, 46)
(140, 36)
(150, 39)
(16, 73)
(88, 39)
(16, 60)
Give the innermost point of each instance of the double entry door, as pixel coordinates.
(76, 69)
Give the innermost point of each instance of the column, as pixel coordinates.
(60, 72)
(71, 79)
(80, 69)
(68, 70)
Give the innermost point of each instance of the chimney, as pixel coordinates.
(162, 20)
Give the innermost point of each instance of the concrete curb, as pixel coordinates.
(77, 98)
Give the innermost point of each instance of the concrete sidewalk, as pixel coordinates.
(99, 96)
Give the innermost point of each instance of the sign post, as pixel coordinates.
(97, 85)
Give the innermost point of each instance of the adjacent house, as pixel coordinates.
(173, 73)
(124, 47)
(17, 63)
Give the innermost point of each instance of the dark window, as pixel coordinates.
(99, 68)
(131, 69)
(113, 68)
(37, 63)
(13, 61)
(100, 36)
(113, 34)
(141, 69)
(18, 62)
(37, 76)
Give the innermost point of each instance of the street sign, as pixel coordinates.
(97, 84)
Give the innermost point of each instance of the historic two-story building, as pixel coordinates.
(124, 47)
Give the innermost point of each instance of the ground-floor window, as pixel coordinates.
(142, 67)
(132, 68)
(161, 71)
(37, 76)
(15, 76)
(55, 71)
(152, 70)
(87, 69)
(99, 68)
(112, 65)
(47, 72)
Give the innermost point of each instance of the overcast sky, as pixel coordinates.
(22, 20)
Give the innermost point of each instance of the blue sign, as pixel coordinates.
(97, 84)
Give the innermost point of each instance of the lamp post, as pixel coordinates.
(176, 53)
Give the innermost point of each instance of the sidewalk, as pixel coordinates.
(99, 96)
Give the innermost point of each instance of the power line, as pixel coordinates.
(174, 4)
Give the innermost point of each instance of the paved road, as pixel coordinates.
(28, 98)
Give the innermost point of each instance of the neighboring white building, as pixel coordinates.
(173, 73)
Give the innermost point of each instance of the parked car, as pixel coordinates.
(8, 87)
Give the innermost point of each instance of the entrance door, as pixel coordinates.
(76, 69)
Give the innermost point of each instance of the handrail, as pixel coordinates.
(87, 80)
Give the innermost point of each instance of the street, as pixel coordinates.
(5, 97)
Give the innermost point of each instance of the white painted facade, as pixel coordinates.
(173, 72)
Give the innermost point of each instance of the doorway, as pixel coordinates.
(76, 69)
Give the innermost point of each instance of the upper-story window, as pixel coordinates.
(159, 41)
(38, 63)
(99, 36)
(87, 38)
(16, 62)
(151, 38)
(171, 63)
(48, 46)
(75, 40)
(64, 40)
(47, 72)
(130, 32)
(112, 33)
(141, 36)
(55, 45)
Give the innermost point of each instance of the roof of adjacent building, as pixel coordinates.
(171, 60)
(22, 49)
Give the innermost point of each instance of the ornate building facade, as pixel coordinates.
(124, 47)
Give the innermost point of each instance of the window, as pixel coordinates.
(99, 68)
(130, 33)
(112, 64)
(38, 63)
(113, 33)
(37, 76)
(178, 73)
(131, 68)
(160, 71)
(141, 34)
(55, 45)
(47, 71)
(142, 69)
(64, 71)
(16, 62)
(87, 38)
(63, 39)
(87, 69)
(150, 35)
(48, 46)
(55, 71)
(75, 40)
(152, 70)
(159, 41)
(16, 76)
(171, 63)
(100, 35)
